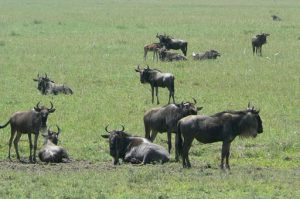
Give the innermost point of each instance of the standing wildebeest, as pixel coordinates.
(31, 121)
(211, 54)
(171, 43)
(48, 86)
(152, 47)
(165, 55)
(51, 152)
(258, 41)
(223, 126)
(135, 150)
(157, 79)
(164, 119)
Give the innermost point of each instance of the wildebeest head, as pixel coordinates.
(53, 136)
(262, 37)
(117, 143)
(189, 108)
(144, 74)
(43, 83)
(44, 112)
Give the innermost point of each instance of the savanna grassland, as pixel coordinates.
(93, 46)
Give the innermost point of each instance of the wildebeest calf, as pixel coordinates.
(211, 54)
(136, 150)
(51, 152)
(258, 41)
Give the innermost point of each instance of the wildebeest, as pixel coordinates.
(211, 54)
(223, 126)
(28, 122)
(276, 18)
(50, 151)
(165, 55)
(258, 41)
(171, 43)
(152, 47)
(48, 86)
(157, 79)
(164, 119)
(136, 150)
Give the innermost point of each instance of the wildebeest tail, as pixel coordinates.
(3, 126)
(178, 143)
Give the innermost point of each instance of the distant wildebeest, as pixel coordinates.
(157, 79)
(152, 47)
(50, 151)
(211, 54)
(276, 18)
(28, 122)
(165, 55)
(223, 126)
(136, 150)
(258, 41)
(164, 119)
(171, 43)
(48, 86)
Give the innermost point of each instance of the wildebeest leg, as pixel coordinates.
(253, 49)
(225, 154)
(145, 53)
(176, 148)
(147, 132)
(156, 90)
(16, 141)
(169, 141)
(30, 147)
(153, 135)
(185, 153)
(260, 51)
(152, 92)
(12, 135)
(36, 135)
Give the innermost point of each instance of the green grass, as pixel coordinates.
(94, 46)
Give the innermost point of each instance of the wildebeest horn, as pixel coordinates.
(51, 108)
(195, 102)
(148, 66)
(248, 105)
(106, 128)
(46, 75)
(58, 130)
(37, 106)
(123, 128)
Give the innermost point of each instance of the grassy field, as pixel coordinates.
(94, 46)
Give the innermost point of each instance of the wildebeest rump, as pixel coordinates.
(136, 150)
(28, 122)
(223, 126)
(211, 54)
(171, 43)
(164, 119)
(50, 151)
(258, 41)
(157, 79)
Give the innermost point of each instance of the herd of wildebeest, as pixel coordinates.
(181, 119)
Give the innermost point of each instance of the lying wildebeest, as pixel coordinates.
(51, 152)
(276, 18)
(211, 54)
(223, 126)
(28, 122)
(171, 43)
(135, 150)
(152, 47)
(258, 41)
(157, 79)
(48, 86)
(165, 55)
(164, 119)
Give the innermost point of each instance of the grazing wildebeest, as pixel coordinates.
(211, 54)
(164, 119)
(165, 55)
(223, 126)
(48, 86)
(28, 122)
(258, 41)
(152, 47)
(51, 152)
(276, 18)
(157, 79)
(136, 150)
(171, 43)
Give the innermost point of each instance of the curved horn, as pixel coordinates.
(248, 105)
(106, 128)
(123, 128)
(46, 75)
(51, 106)
(148, 66)
(195, 102)
(37, 106)
(58, 130)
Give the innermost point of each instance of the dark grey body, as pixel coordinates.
(223, 126)
(165, 55)
(164, 119)
(136, 150)
(52, 88)
(171, 43)
(211, 54)
(257, 43)
(157, 79)
(28, 122)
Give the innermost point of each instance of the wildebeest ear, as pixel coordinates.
(199, 108)
(52, 110)
(105, 136)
